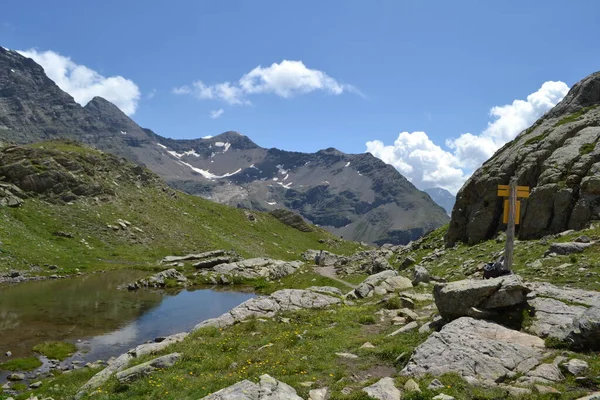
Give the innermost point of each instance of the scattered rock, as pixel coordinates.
(548, 372)
(435, 385)
(384, 389)
(36, 385)
(158, 280)
(468, 297)
(8, 353)
(552, 316)
(367, 345)
(318, 394)
(591, 396)
(138, 371)
(253, 268)
(387, 281)
(568, 248)
(575, 367)
(409, 314)
(406, 328)
(16, 377)
(214, 261)
(412, 386)
(583, 239)
(349, 356)
(268, 389)
(442, 396)
(420, 274)
(476, 350)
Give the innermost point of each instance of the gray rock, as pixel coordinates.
(584, 332)
(549, 372)
(268, 389)
(457, 299)
(268, 306)
(406, 328)
(159, 280)
(384, 389)
(192, 257)
(591, 396)
(255, 268)
(214, 261)
(420, 274)
(319, 394)
(477, 350)
(586, 297)
(8, 353)
(442, 396)
(329, 290)
(435, 385)
(16, 377)
(412, 386)
(552, 316)
(383, 282)
(36, 385)
(349, 356)
(568, 248)
(141, 370)
(409, 314)
(542, 389)
(576, 367)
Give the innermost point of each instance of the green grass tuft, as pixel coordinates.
(575, 116)
(55, 350)
(587, 148)
(21, 364)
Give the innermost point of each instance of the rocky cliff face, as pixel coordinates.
(558, 157)
(356, 196)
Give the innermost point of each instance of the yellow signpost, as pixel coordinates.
(512, 215)
(522, 193)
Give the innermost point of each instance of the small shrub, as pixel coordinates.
(554, 343)
(587, 148)
(55, 350)
(366, 320)
(393, 303)
(573, 258)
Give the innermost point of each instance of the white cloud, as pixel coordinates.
(426, 164)
(84, 83)
(214, 114)
(286, 79)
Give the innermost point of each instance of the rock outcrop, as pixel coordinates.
(141, 370)
(268, 306)
(558, 158)
(253, 268)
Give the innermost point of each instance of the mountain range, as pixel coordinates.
(356, 196)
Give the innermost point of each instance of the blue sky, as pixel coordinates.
(355, 71)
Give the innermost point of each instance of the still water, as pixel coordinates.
(101, 319)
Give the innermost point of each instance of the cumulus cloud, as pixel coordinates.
(214, 114)
(84, 83)
(426, 164)
(285, 79)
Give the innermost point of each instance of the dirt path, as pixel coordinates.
(329, 272)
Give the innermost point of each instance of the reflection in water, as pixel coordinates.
(90, 308)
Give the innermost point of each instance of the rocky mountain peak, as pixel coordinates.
(558, 158)
(584, 93)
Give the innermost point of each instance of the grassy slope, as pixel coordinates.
(301, 351)
(170, 225)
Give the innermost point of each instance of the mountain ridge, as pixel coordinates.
(355, 196)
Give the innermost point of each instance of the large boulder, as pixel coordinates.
(472, 297)
(384, 389)
(268, 388)
(568, 247)
(479, 351)
(159, 280)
